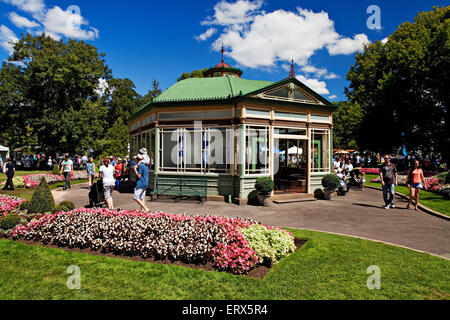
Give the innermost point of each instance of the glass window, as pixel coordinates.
(257, 150)
(258, 113)
(281, 93)
(205, 150)
(320, 150)
(319, 118)
(300, 96)
(290, 115)
(291, 132)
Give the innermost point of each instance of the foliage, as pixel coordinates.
(347, 122)
(264, 185)
(115, 141)
(193, 74)
(56, 170)
(330, 182)
(25, 205)
(152, 94)
(9, 221)
(270, 245)
(252, 198)
(402, 87)
(42, 200)
(60, 208)
(318, 194)
(121, 99)
(68, 204)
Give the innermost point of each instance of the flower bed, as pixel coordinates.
(162, 236)
(8, 204)
(370, 170)
(32, 181)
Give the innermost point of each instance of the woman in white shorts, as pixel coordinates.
(107, 174)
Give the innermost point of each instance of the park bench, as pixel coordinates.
(180, 188)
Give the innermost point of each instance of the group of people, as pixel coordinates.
(111, 171)
(348, 175)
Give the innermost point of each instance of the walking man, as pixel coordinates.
(389, 179)
(67, 168)
(141, 171)
(10, 169)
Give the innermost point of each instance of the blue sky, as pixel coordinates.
(146, 40)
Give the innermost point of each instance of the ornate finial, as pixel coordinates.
(223, 51)
(292, 71)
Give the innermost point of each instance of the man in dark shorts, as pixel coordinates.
(10, 169)
(389, 179)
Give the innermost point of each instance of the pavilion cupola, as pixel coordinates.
(222, 69)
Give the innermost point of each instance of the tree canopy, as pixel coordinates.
(402, 86)
(61, 97)
(347, 122)
(193, 74)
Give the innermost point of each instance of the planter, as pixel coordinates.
(329, 194)
(264, 200)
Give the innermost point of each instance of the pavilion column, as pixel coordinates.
(157, 142)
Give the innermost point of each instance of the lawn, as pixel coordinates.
(28, 193)
(431, 200)
(327, 267)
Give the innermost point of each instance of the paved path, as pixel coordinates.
(358, 214)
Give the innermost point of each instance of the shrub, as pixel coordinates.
(318, 193)
(270, 245)
(25, 205)
(60, 208)
(9, 221)
(68, 204)
(331, 182)
(42, 200)
(56, 170)
(253, 198)
(264, 185)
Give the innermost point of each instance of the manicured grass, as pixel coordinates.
(28, 193)
(434, 201)
(327, 267)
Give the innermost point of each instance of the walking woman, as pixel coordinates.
(107, 175)
(416, 181)
(67, 168)
(90, 168)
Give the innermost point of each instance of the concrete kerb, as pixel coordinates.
(421, 207)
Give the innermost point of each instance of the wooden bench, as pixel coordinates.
(180, 188)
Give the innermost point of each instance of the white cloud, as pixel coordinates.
(22, 22)
(7, 37)
(102, 86)
(55, 22)
(348, 45)
(240, 12)
(331, 75)
(30, 6)
(385, 40)
(332, 97)
(315, 84)
(206, 35)
(256, 38)
(68, 24)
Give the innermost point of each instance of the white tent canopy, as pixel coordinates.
(293, 150)
(4, 153)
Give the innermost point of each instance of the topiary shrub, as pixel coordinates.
(56, 170)
(252, 198)
(42, 200)
(68, 204)
(9, 221)
(318, 194)
(264, 185)
(25, 205)
(331, 182)
(269, 245)
(60, 208)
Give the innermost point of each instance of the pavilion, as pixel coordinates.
(230, 131)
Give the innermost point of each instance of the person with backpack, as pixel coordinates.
(389, 179)
(107, 176)
(416, 181)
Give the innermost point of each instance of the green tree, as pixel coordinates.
(152, 94)
(347, 122)
(193, 74)
(121, 99)
(402, 86)
(55, 79)
(115, 141)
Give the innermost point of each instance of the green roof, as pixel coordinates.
(216, 88)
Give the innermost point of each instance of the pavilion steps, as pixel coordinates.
(281, 198)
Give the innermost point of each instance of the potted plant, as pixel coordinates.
(330, 183)
(264, 186)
